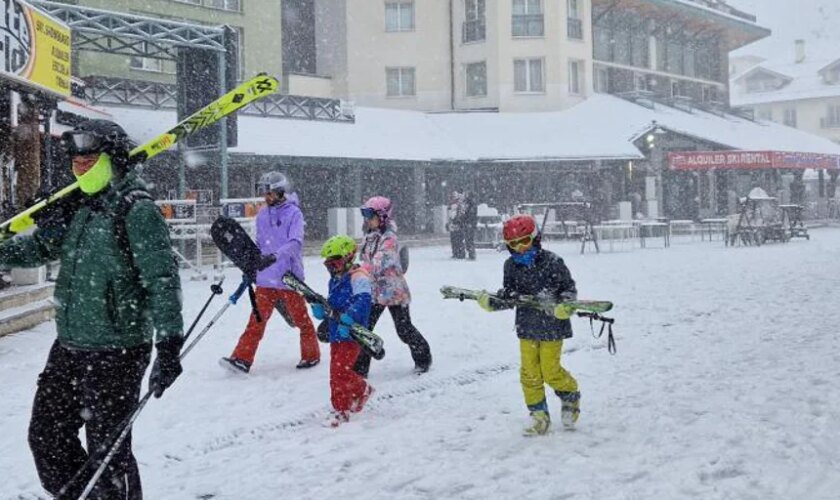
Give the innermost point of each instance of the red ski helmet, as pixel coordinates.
(520, 230)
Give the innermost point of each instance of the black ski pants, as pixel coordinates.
(456, 239)
(407, 332)
(96, 390)
(469, 241)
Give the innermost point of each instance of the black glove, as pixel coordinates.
(167, 365)
(323, 331)
(265, 261)
(57, 215)
(507, 294)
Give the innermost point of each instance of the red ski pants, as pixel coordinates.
(246, 349)
(346, 386)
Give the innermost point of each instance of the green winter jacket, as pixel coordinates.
(103, 300)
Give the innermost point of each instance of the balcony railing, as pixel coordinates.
(528, 25)
(474, 31)
(575, 28)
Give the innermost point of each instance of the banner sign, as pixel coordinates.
(750, 160)
(242, 208)
(177, 210)
(34, 48)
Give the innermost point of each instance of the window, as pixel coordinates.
(765, 114)
(576, 77)
(676, 89)
(528, 75)
(602, 80)
(146, 63)
(240, 53)
(832, 119)
(761, 83)
(574, 24)
(474, 29)
(400, 82)
(710, 95)
(399, 16)
(790, 117)
(527, 18)
(476, 74)
(641, 83)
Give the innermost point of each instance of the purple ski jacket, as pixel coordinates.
(280, 233)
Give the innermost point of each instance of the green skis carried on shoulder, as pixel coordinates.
(547, 306)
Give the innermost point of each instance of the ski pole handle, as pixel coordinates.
(239, 291)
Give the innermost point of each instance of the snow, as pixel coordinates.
(602, 127)
(723, 387)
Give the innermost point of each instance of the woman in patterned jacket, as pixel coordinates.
(380, 256)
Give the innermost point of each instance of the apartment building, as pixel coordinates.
(522, 55)
(440, 55)
(799, 89)
(257, 24)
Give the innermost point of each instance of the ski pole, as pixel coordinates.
(125, 425)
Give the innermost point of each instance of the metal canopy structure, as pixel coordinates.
(100, 90)
(129, 34)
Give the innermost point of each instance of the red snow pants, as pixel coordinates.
(246, 349)
(346, 386)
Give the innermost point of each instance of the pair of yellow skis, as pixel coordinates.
(250, 91)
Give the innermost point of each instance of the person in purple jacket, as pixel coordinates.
(280, 238)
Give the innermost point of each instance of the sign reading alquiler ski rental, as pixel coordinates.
(34, 48)
(750, 160)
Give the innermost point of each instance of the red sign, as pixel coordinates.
(748, 160)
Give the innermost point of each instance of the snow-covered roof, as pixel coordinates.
(602, 127)
(805, 79)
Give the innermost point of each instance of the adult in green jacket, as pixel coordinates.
(118, 292)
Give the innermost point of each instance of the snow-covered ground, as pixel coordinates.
(724, 386)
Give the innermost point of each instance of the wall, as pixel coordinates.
(372, 49)
(809, 113)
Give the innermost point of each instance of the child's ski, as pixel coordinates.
(370, 342)
(250, 91)
(547, 306)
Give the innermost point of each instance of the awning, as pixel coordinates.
(751, 160)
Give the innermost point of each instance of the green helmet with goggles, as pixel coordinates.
(338, 253)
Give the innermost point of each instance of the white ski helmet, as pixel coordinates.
(274, 182)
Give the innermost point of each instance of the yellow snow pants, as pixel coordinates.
(541, 365)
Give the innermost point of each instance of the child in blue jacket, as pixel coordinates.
(350, 296)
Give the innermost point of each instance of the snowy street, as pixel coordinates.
(722, 388)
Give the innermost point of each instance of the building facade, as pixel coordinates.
(800, 89)
(519, 55)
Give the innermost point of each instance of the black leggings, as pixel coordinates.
(407, 332)
(95, 390)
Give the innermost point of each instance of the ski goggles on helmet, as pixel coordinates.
(82, 142)
(520, 244)
(336, 264)
(263, 188)
(368, 213)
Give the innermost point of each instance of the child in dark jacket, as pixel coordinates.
(531, 270)
(350, 296)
